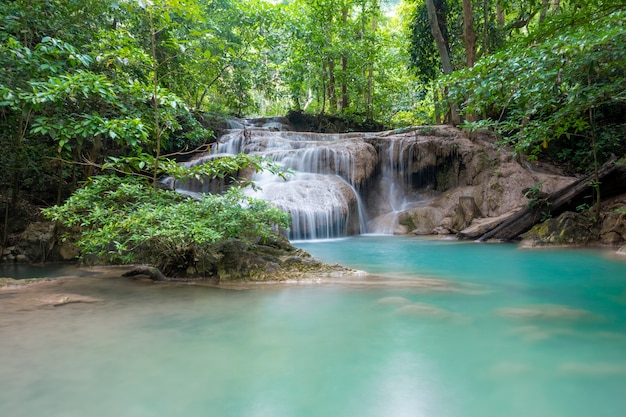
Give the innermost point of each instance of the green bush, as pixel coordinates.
(122, 220)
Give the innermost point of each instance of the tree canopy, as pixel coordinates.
(89, 87)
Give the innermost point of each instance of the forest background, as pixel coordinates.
(90, 85)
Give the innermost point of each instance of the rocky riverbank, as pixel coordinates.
(460, 184)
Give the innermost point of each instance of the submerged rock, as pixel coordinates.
(548, 312)
(16, 283)
(393, 300)
(56, 300)
(426, 310)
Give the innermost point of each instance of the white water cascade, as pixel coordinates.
(342, 184)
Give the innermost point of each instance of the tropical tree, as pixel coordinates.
(123, 219)
(65, 109)
(449, 35)
(559, 90)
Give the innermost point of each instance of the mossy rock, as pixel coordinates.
(240, 260)
(569, 229)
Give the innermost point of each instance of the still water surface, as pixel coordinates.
(450, 329)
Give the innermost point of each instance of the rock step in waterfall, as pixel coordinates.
(417, 180)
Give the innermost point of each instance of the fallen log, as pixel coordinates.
(567, 198)
(154, 273)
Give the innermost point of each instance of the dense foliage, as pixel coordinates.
(560, 89)
(93, 87)
(549, 77)
(122, 219)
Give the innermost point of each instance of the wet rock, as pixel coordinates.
(465, 213)
(68, 250)
(36, 243)
(613, 229)
(569, 229)
(276, 260)
(40, 242)
(422, 220)
(450, 170)
(316, 200)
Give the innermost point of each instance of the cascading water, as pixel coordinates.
(342, 184)
(401, 184)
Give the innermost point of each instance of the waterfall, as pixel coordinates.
(342, 184)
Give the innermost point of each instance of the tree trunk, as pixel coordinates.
(442, 48)
(557, 202)
(343, 100)
(437, 107)
(469, 34)
(499, 14)
(485, 28)
(545, 4)
(154, 273)
(330, 87)
(370, 81)
(155, 100)
(469, 39)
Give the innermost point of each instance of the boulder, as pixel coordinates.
(569, 229)
(40, 242)
(422, 220)
(541, 204)
(276, 260)
(457, 180)
(37, 243)
(466, 211)
(233, 259)
(613, 228)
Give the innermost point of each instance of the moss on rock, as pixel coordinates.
(569, 229)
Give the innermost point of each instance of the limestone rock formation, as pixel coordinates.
(236, 260)
(569, 229)
(412, 180)
(613, 227)
(39, 243)
(447, 169)
(315, 203)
